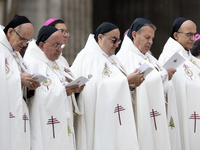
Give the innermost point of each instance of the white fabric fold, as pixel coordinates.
(16, 119)
(108, 120)
(186, 82)
(149, 98)
(51, 102)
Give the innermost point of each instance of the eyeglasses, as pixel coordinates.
(64, 32)
(189, 34)
(113, 39)
(23, 39)
(56, 46)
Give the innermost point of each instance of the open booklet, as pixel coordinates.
(39, 77)
(145, 68)
(174, 61)
(80, 81)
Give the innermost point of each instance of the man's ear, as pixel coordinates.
(9, 32)
(100, 37)
(41, 45)
(175, 36)
(134, 34)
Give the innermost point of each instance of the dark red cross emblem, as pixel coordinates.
(25, 118)
(195, 117)
(6, 62)
(117, 110)
(53, 121)
(154, 114)
(66, 70)
(24, 65)
(11, 115)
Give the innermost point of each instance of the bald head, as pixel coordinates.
(27, 29)
(19, 36)
(186, 34)
(188, 25)
(52, 46)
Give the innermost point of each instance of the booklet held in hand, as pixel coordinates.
(174, 61)
(80, 81)
(39, 77)
(145, 68)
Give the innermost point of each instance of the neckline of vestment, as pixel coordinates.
(192, 58)
(56, 68)
(115, 64)
(18, 59)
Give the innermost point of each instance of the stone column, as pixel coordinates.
(78, 18)
(8, 10)
(2, 6)
(77, 15)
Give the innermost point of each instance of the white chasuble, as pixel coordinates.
(108, 119)
(16, 130)
(149, 99)
(4, 106)
(187, 85)
(51, 110)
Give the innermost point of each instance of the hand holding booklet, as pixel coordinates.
(39, 77)
(80, 81)
(145, 68)
(174, 61)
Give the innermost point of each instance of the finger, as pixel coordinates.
(33, 85)
(29, 76)
(75, 88)
(136, 71)
(31, 79)
(30, 87)
(36, 84)
(83, 86)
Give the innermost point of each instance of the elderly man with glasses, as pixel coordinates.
(53, 105)
(186, 80)
(60, 25)
(16, 82)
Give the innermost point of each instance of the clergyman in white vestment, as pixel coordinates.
(52, 106)
(186, 81)
(108, 121)
(150, 96)
(60, 25)
(14, 77)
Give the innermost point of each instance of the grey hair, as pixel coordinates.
(149, 25)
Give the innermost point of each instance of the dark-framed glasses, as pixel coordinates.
(65, 32)
(56, 46)
(113, 39)
(23, 39)
(189, 34)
